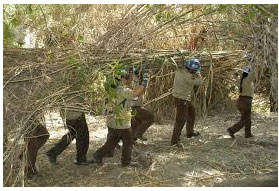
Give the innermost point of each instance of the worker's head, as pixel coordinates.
(193, 65)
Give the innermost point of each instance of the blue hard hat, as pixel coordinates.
(193, 64)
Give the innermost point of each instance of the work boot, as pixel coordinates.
(231, 134)
(194, 134)
(247, 131)
(51, 157)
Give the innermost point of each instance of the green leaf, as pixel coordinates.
(168, 16)
(15, 21)
(80, 38)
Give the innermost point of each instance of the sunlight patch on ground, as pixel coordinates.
(55, 125)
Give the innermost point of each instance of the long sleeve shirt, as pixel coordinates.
(184, 83)
(120, 117)
(248, 84)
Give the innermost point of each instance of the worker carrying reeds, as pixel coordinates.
(119, 120)
(244, 102)
(142, 119)
(186, 77)
(34, 140)
(77, 129)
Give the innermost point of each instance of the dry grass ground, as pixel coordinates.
(204, 161)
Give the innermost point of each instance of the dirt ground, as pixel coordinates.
(207, 160)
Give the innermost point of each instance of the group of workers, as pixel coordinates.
(128, 120)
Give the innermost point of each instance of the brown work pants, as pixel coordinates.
(78, 130)
(113, 137)
(141, 120)
(244, 105)
(34, 141)
(185, 111)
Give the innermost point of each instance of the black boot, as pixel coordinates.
(247, 130)
(59, 147)
(230, 133)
